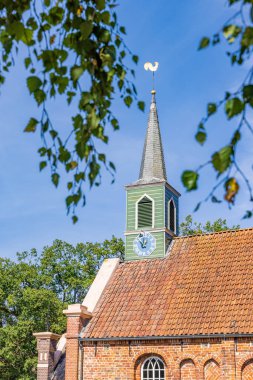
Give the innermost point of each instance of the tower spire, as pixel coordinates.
(152, 164)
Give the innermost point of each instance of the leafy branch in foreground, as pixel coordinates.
(238, 33)
(74, 49)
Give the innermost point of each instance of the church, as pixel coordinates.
(177, 307)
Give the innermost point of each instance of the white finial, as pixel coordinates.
(150, 67)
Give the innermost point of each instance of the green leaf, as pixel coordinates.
(31, 126)
(190, 179)
(100, 4)
(122, 30)
(105, 17)
(236, 137)
(76, 72)
(74, 219)
(135, 58)
(248, 94)
(204, 43)
(128, 100)
(2, 79)
(86, 29)
(230, 32)
(221, 160)
(247, 38)
(55, 179)
(233, 107)
(27, 61)
(200, 137)
(211, 108)
(112, 166)
(102, 157)
(141, 105)
(39, 96)
(43, 164)
(33, 83)
(27, 37)
(73, 165)
(248, 214)
(115, 124)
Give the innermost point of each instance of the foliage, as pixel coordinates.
(237, 33)
(74, 49)
(33, 292)
(189, 227)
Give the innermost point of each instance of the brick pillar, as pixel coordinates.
(76, 315)
(46, 347)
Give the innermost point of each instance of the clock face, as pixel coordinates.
(144, 244)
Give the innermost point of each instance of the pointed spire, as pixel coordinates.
(152, 165)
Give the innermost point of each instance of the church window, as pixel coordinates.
(153, 369)
(172, 215)
(145, 212)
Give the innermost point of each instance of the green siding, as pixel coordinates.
(134, 194)
(158, 252)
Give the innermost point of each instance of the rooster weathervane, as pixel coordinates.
(152, 67)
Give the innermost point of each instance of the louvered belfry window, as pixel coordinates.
(172, 216)
(153, 369)
(145, 211)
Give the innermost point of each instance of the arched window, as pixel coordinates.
(153, 369)
(145, 212)
(172, 216)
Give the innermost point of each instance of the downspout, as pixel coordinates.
(80, 375)
(235, 350)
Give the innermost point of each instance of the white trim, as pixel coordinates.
(175, 215)
(153, 230)
(136, 211)
(157, 358)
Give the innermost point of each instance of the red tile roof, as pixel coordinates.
(203, 286)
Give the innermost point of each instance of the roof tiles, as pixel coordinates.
(203, 286)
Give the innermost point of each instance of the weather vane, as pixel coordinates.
(152, 67)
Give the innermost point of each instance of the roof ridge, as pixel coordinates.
(215, 233)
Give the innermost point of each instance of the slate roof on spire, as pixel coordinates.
(152, 164)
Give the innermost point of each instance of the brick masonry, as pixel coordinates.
(192, 359)
(46, 347)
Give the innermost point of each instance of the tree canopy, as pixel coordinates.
(237, 34)
(35, 289)
(189, 227)
(74, 49)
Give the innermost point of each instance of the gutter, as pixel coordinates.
(201, 336)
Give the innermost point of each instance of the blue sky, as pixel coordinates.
(33, 212)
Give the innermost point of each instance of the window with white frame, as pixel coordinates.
(172, 216)
(153, 369)
(145, 212)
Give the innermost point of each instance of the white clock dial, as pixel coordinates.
(144, 244)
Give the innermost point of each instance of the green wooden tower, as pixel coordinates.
(152, 204)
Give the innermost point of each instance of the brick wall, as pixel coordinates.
(195, 359)
(77, 316)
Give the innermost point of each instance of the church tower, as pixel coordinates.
(152, 204)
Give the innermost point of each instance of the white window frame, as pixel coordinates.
(159, 360)
(175, 215)
(136, 211)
